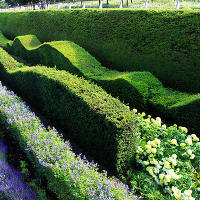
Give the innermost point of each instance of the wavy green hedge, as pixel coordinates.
(164, 42)
(140, 90)
(133, 88)
(98, 122)
(38, 82)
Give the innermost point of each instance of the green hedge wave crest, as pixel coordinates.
(140, 90)
(162, 41)
(99, 123)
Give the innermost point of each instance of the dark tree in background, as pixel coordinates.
(3, 4)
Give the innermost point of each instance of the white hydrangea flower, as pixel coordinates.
(195, 138)
(153, 150)
(174, 141)
(182, 144)
(189, 151)
(188, 141)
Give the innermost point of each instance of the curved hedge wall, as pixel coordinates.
(164, 42)
(140, 90)
(99, 123)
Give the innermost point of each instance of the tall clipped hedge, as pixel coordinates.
(99, 123)
(140, 90)
(164, 42)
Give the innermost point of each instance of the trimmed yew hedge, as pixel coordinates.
(164, 42)
(99, 123)
(133, 88)
(140, 90)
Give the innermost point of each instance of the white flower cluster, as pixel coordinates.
(166, 157)
(186, 195)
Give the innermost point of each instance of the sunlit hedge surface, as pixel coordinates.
(164, 42)
(98, 122)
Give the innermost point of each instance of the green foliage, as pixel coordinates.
(140, 90)
(131, 87)
(98, 122)
(164, 42)
(67, 175)
(170, 156)
(3, 40)
(37, 83)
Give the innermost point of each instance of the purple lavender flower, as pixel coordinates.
(11, 181)
(81, 177)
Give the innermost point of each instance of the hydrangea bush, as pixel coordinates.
(167, 154)
(78, 178)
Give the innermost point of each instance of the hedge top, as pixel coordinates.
(164, 42)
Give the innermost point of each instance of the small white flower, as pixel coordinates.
(135, 110)
(167, 165)
(195, 138)
(182, 144)
(157, 141)
(192, 156)
(189, 151)
(167, 178)
(145, 162)
(158, 119)
(153, 150)
(188, 193)
(188, 141)
(164, 126)
(174, 156)
(161, 176)
(184, 129)
(174, 141)
(177, 192)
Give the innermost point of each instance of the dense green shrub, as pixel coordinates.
(164, 42)
(67, 175)
(133, 88)
(40, 80)
(140, 90)
(98, 122)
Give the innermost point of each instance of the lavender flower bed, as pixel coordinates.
(73, 177)
(11, 181)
